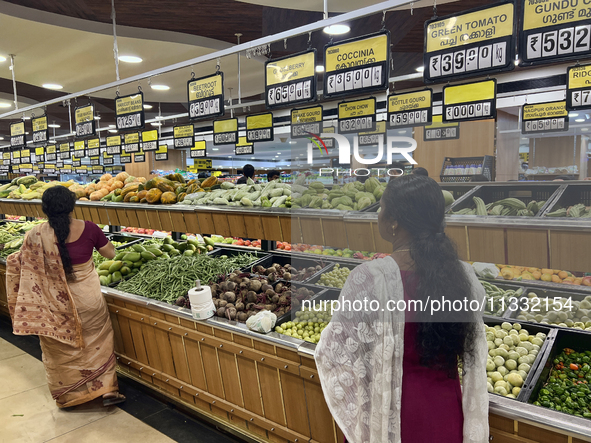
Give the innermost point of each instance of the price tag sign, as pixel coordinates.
(357, 65)
(59, 164)
(95, 161)
(199, 149)
(16, 157)
(357, 116)
(441, 131)
(25, 155)
(410, 109)
(184, 136)
(473, 43)
(40, 154)
(76, 161)
(37, 168)
(329, 142)
(554, 31)
(470, 101)
(85, 123)
(64, 149)
(139, 157)
(17, 135)
(93, 147)
(544, 117)
(15, 169)
(50, 153)
(243, 147)
(108, 169)
(79, 150)
(162, 153)
(132, 142)
(97, 169)
(259, 128)
(81, 170)
(48, 168)
(290, 80)
(206, 96)
(375, 137)
(6, 158)
(129, 112)
(150, 140)
(125, 158)
(202, 164)
(306, 121)
(108, 159)
(114, 145)
(578, 88)
(40, 129)
(225, 132)
(66, 169)
(26, 167)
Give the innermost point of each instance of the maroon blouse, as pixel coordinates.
(81, 249)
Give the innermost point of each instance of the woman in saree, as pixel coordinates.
(390, 373)
(54, 292)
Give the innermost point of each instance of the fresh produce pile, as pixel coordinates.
(15, 217)
(12, 236)
(353, 196)
(98, 258)
(286, 272)
(576, 211)
(497, 299)
(170, 280)
(325, 250)
(28, 188)
(335, 278)
(563, 312)
(511, 354)
(567, 389)
(232, 241)
(140, 231)
(272, 194)
(308, 324)
(505, 207)
(520, 273)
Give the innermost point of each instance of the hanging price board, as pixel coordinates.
(162, 153)
(25, 155)
(37, 168)
(578, 88)
(202, 164)
(17, 135)
(6, 158)
(79, 150)
(554, 31)
(118, 168)
(81, 170)
(64, 149)
(129, 112)
(441, 131)
(107, 159)
(357, 65)
(199, 149)
(306, 121)
(40, 129)
(125, 158)
(259, 128)
(50, 153)
(328, 142)
(544, 117)
(132, 142)
(410, 109)
(150, 140)
(93, 147)
(76, 161)
(225, 132)
(184, 136)
(59, 165)
(473, 43)
(16, 157)
(114, 145)
(15, 169)
(139, 157)
(375, 137)
(470, 101)
(95, 161)
(26, 167)
(243, 147)
(108, 169)
(40, 154)
(206, 96)
(356, 116)
(85, 123)
(49, 168)
(97, 169)
(66, 169)
(290, 80)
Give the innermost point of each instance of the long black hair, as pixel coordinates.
(417, 204)
(58, 203)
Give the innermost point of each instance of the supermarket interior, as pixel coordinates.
(235, 153)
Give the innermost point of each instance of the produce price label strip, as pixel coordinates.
(199, 150)
(95, 161)
(108, 159)
(85, 123)
(225, 132)
(357, 65)
(206, 96)
(184, 136)
(359, 115)
(259, 127)
(441, 131)
(410, 109)
(40, 129)
(373, 137)
(475, 42)
(150, 140)
(139, 157)
(470, 101)
(76, 161)
(79, 148)
(16, 157)
(125, 158)
(129, 112)
(328, 142)
(290, 80)
(544, 117)
(306, 121)
(554, 31)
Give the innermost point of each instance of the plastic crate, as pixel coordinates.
(296, 261)
(488, 168)
(570, 195)
(524, 192)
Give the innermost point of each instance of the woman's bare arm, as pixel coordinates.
(108, 251)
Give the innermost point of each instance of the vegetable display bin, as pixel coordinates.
(296, 261)
(290, 315)
(570, 195)
(232, 252)
(532, 329)
(525, 192)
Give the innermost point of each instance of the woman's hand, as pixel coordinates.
(108, 251)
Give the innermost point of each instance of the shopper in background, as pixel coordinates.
(273, 174)
(247, 172)
(420, 171)
(54, 292)
(389, 374)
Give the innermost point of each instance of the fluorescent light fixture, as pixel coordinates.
(292, 142)
(148, 106)
(573, 114)
(229, 156)
(279, 153)
(53, 125)
(1, 138)
(336, 29)
(112, 126)
(215, 149)
(420, 69)
(160, 87)
(156, 124)
(52, 86)
(580, 120)
(402, 132)
(113, 130)
(319, 68)
(2, 59)
(5, 105)
(584, 129)
(26, 133)
(130, 59)
(252, 158)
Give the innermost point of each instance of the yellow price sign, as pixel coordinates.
(206, 96)
(544, 117)
(225, 131)
(290, 80)
(470, 101)
(410, 109)
(259, 127)
(357, 116)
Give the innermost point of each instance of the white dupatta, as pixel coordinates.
(359, 361)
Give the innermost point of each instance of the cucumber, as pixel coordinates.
(165, 255)
(105, 265)
(148, 256)
(174, 252)
(115, 266)
(191, 248)
(104, 280)
(117, 277)
(125, 270)
(188, 253)
(157, 252)
(168, 241)
(193, 242)
(209, 241)
(132, 256)
(138, 248)
(138, 264)
(103, 272)
(167, 248)
(120, 256)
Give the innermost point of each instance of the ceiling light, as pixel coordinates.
(1, 138)
(580, 120)
(26, 133)
(156, 124)
(319, 68)
(113, 130)
(229, 156)
(215, 149)
(573, 114)
(584, 129)
(278, 153)
(53, 125)
(336, 29)
(112, 126)
(129, 59)
(276, 156)
(148, 106)
(252, 158)
(52, 86)
(97, 117)
(160, 87)
(5, 105)
(2, 59)
(292, 142)
(420, 69)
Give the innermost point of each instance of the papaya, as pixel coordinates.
(129, 188)
(141, 193)
(122, 176)
(168, 198)
(128, 196)
(209, 182)
(153, 195)
(134, 199)
(165, 185)
(180, 189)
(143, 200)
(130, 179)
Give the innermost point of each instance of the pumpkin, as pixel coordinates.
(143, 200)
(140, 187)
(117, 184)
(106, 177)
(141, 194)
(134, 199)
(80, 192)
(168, 198)
(84, 199)
(141, 179)
(153, 195)
(209, 182)
(190, 182)
(96, 196)
(122, 176)
(129, 195)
